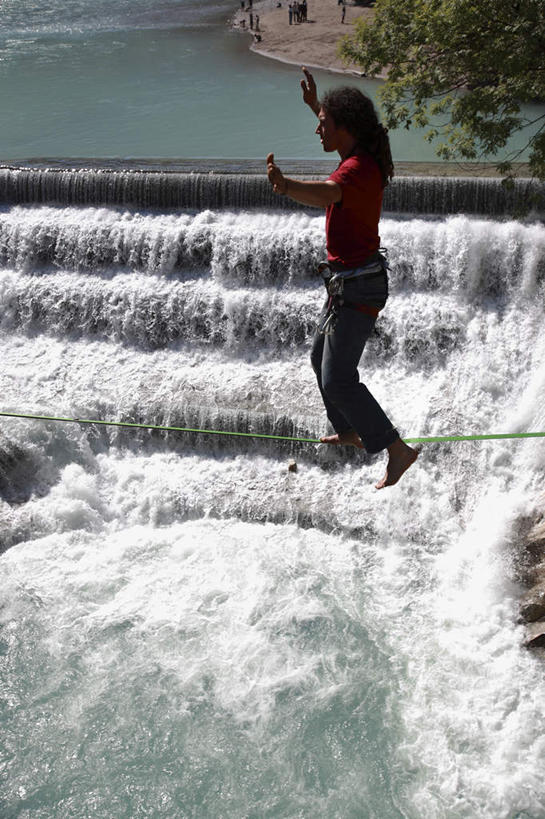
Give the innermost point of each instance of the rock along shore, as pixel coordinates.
(530, 572)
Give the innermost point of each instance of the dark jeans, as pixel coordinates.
(335, 358)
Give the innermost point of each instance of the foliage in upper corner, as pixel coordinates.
(460, 68)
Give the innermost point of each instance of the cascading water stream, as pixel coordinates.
(162, 189)
(190, 629)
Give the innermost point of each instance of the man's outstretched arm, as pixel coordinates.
(310, 92)
(315, 194)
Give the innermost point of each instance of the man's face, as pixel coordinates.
(327, 131)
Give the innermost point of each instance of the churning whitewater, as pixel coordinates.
(188, 628)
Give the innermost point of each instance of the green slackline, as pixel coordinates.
(429, 440)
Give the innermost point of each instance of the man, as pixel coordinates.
(357, 273)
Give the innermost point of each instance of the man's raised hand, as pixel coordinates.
(310, 93)
(276, 177)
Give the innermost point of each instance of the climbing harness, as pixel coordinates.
(334, 284)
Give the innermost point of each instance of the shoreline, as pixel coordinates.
(312, 43)
(272, 56)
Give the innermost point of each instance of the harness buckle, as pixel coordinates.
(335, 285)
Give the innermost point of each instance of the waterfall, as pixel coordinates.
(163, 189)
(191, 628)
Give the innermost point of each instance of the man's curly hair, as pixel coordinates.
(352, 110)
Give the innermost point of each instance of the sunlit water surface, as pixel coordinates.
(154, 79)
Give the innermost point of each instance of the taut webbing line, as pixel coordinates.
(430, 439)
(155, 426)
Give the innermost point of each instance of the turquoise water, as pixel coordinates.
(168, 80)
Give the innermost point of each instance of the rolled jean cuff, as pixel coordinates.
(376, 443)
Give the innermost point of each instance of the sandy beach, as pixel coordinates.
(313, 43)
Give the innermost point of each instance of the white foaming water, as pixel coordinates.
(188, 628)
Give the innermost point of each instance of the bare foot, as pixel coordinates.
(349, 438)
(400, 458)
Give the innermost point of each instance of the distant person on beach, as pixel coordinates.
(343, 14)
(355, 273)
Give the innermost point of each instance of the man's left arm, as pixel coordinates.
(315, 194)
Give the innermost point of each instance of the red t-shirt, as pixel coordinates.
(351, 225)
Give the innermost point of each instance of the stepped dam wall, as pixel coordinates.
(161, 189)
